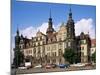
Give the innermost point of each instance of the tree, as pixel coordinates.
(18, 57)
(69, 55)
(94, 57)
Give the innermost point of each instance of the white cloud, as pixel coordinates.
(43, 27)
(85, 25)
(31, 31)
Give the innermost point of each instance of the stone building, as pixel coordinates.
(93, 46)
(49, 47)
(83, 47)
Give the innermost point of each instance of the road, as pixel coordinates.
(43, 70)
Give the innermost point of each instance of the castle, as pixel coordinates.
(50, 47)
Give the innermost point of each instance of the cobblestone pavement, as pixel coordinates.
(43, 70)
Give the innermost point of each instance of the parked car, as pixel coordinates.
(28, 65)
(48, 66)
(22, 67)
(78, 65)
(53, 65)
(88, 64)
(38, 66)
(63, 65)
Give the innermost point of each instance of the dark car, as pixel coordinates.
(63, 65)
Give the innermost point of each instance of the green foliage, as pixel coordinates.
(18, 57)
(94, 57)
(70, 55)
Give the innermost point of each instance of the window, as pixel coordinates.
(60, 60)
(54, 54)
(19, 46)
(60, 52)
(60, 45)
(48, 54)
(48, 48)
(82, 48)
(69, 44)
(64, 37)
(38, 38)
(43, 51)
(92, 50)
(38, 51)
(34, 39)
(34, 50)
(59, 39)
(41, 38)
(69, 35)
(41, 42)
(26, 52)
(38, 43)
(82, 54)
(64, 32)
(29, 51)
(48, 61)
(54, 47)
(54, 60)
(83, 41)
(69, 29)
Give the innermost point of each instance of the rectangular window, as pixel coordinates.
(48, 48)
(82, 48)
(54, 47)
(54, 53)
(59, 39)
(60, 45)
(83, 41)
(38, 38)
(48, 54)
(69, 44)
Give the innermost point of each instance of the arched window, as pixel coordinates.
(34, 51)
(60, 52)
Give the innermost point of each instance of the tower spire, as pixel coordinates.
(50, 20)
(17, 30)
(50, 23)
(50, 13)
(70, 13)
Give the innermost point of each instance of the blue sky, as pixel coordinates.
(25, 14)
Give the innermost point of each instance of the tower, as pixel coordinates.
(18, 56)
(17, 38)
(50, 29)
(71, 42)
(70, 26)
